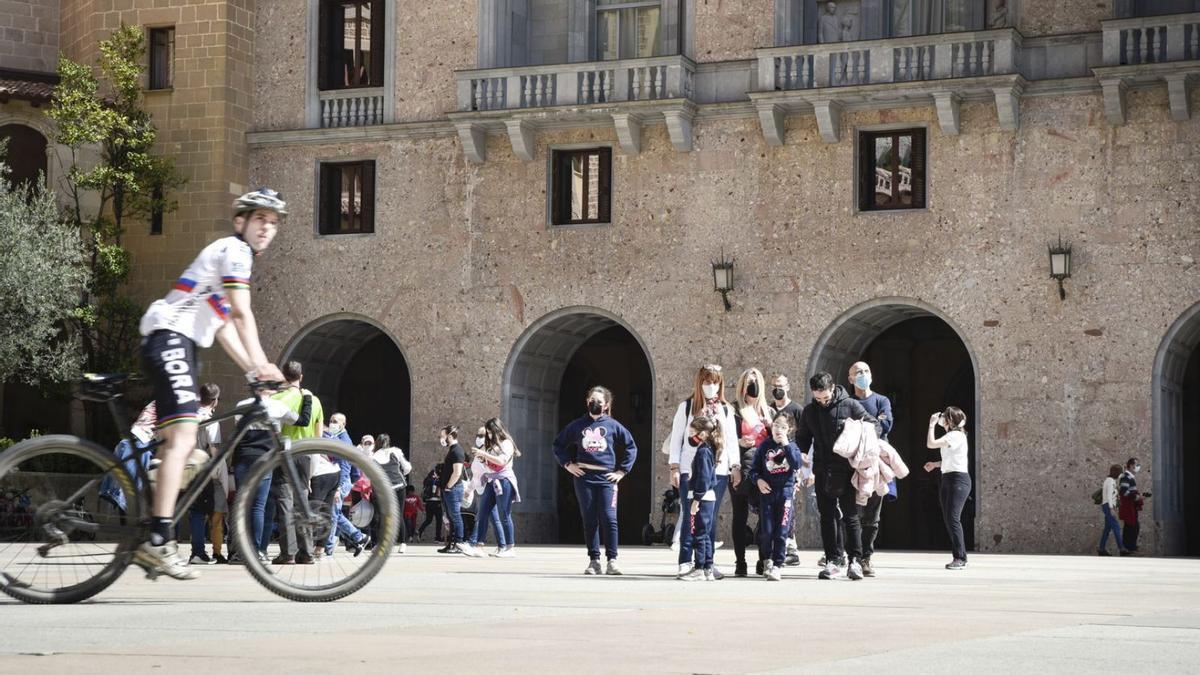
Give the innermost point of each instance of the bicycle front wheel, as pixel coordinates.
(62, 537)
(326, 557)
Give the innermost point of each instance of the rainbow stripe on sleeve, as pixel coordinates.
(236, 282)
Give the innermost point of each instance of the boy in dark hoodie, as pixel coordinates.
(706, 434)
(774, 473)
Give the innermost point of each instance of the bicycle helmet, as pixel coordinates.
(262, 198)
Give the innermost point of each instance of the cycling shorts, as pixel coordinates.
(169, 362)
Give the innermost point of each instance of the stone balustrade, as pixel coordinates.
(1152, 39)
(569, 84)
(350, 107)
(908, 59)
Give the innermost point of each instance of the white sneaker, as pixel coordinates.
(831, 571)
(163, 559)
(684, 569)
(718, 545)
(593, 568)
(696, 574)
(470, 551)
(854, 572)
(768, 565)
(495, 554)
(716, 573)
(506, 553)
(675, 546)
(402, 548)
(613, 570)
(775, 574)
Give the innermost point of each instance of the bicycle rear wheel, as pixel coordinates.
(335, 575)
(61, 539)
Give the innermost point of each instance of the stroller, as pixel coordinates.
(670, 507)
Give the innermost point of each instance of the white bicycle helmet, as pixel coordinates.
(262, 198)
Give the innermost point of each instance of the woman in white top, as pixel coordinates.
(709, 389)
(956, 480)
(397, 469)
(1109, 502)
(493, 479)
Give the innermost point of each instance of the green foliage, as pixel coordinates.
(42, 274)
(6, 442)
(105, 114)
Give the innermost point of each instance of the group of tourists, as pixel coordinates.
(1120, 503)
(483, 476)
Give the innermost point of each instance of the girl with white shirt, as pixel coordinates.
(1109, 503)
(708, 389)
(956, 480)
(493, 479)
(397, 469)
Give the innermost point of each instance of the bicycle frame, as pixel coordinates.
(252, 413)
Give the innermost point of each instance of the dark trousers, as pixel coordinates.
(410, 525)
(1129, 533)
(954, 490)
(837, 511)
(741, 521)
(196, 525)
(281, 509)
(685, 511)
(453, 501)
(433, 514)
(702, 527)
(870, 524)
(774, 514)
(598, 506)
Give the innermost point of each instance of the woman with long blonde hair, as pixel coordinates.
(751, 426)
(707, 400)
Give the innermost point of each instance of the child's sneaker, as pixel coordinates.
(696, 574)
(593, 568)
(710, 574)
(775, 574)
(684, 570)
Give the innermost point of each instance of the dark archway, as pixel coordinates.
(357, 368)
(1176, 409)
(545, 382)
(922, 363)
(25, 154)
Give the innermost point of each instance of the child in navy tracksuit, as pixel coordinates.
(598, 451)
(774, 473)
(706, 435)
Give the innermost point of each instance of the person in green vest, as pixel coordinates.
(295, 540)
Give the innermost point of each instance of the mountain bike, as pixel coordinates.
(76, 541)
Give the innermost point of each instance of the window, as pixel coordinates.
(162, 58)
(1132, 8)
(627, 30)
(157, 206)
(347, 196)
(819, 21)
(350, 44)
(891, 168)
(581, 189)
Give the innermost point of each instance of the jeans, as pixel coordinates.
(196, 525)
(1110, 525)
(839, 513)
(343, 526)
(258, 533)
(702, 527)
(954, 490)
(598, 506)
(774, 514)
(495, 506)
(870, 524)
(452, 498)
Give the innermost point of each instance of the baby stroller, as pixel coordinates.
(670, 514)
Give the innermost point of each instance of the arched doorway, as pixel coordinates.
(920, 361)
(357, 368)
(25, 154)
(546, 378)
(1176, 402)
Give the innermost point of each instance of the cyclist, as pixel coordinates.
(211, 299)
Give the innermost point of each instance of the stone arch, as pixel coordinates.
(1169, 397)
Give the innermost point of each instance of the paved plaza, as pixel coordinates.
(536, 613)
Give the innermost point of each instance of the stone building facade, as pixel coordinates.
(735, 136)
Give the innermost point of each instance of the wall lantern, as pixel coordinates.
(1060, 265)
(723, 278)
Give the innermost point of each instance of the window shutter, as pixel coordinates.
(324, 19)
(377, 38)
(604, 182)
(368, 196)
(557, 181)
(866, 172)
(918, 169)
(325, 188)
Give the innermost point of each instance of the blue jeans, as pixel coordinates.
(702, 526)
(598, 506)
(259, 534)
(341, 524)
(774, 516)
(497, 509)
(1110, 525)
(685, 519)
(452, 500)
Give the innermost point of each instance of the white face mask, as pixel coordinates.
(479, 441)
(334, 428)
(710, 390)
(443, 442)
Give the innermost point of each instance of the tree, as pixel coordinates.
(128, 181)
(41, 277)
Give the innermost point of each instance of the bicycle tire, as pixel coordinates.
(387, 507)
(130, 536)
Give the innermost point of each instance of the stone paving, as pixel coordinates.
(537, 613)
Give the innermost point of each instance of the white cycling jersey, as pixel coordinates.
(197, 306)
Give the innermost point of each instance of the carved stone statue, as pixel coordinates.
(830, 26)
(997, 14)
(902, 17)
(849, 27)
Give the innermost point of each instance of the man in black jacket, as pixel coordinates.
(820, 425)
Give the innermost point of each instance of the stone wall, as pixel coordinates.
(1063, 384)
(29, 31)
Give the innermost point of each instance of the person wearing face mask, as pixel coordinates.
(494, 480)
(706, 436)
(709, 389)
(752, 426)
(774, 476)
(598, 451)
(879, 407)
(356, 539)
(955, 485)
(452, 487)
(820, 425)
(1132, 502)
(782, 404)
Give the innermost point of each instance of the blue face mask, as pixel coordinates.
(862, 380)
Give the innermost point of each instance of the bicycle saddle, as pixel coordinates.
(101, 386)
